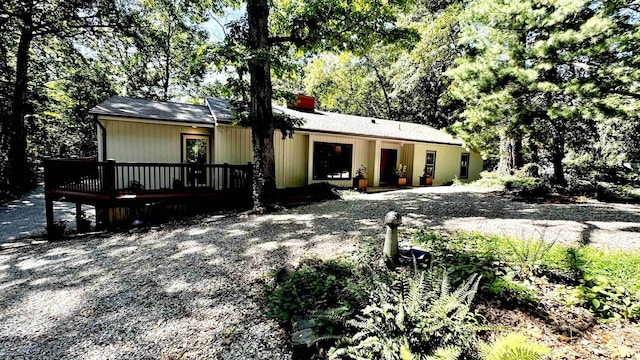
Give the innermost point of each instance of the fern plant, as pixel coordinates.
(514, 346)
(413, 319)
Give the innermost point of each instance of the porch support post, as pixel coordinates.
(48, 205)
(78, 215)
(376, 162)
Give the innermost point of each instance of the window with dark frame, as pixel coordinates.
(430, 164)
(332, 161)
(464, 166)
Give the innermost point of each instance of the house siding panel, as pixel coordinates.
(447, 163)
(361, 156)
(291, 160)
(145, 142)
(232, 145)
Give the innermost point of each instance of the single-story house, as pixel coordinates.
(328, 147)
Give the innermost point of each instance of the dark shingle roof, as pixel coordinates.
(154, 110)
(320, 121)
(220, 109)
(217, 110)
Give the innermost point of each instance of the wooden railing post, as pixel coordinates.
(225, 181)
(109, 178)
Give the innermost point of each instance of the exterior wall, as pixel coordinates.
(361, 156)
(144, 142)
(447, 163)
(406, 158)
(232, 145)
(291, 160)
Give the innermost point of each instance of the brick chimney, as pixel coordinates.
(303, 103)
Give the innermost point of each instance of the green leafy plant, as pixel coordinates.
(529, 254)
(527, 187)
(513, 346)
(400, 170)
(414, 317)
(310, 288)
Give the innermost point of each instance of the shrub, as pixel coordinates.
(310, 288)
(528, 187)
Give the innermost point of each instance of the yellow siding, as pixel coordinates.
(143, 142)
(447, 163)
(361, 156)
(291, 160)
(406, 158)
(475, 166)
(232, 145)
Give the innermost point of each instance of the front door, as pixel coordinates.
(388, 161)
(195, 151)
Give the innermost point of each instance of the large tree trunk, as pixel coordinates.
(510, 155)
(18, 174)
(260, 112)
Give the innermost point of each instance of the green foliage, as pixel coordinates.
(529, 74)
(529, 254)
(609, 281)
(528, 187)
(394, 81)
(310, 289)
(513, 346)
(414, 317)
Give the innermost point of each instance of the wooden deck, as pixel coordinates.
(109, 184)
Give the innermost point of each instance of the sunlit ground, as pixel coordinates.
(195, 290)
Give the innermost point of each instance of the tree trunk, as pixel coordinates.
(260, 112)
(510, 155)
(18, 174)
(557, 155)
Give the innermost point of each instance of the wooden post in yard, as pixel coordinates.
(78, 215)
(108, 180)
(48, 203)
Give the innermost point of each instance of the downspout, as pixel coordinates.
(104, 137)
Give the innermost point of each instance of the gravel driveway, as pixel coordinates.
(24, 218)
(195, 291)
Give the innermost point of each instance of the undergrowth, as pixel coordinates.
(359, 308)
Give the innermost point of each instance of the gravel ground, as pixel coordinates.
(195, 290)
(24, 218)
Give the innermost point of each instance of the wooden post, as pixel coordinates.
(48, 204)
(108, 178)
(225, 183)
(78, 215)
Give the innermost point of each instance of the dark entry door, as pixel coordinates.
(388, 161)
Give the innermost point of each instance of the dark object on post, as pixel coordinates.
(422, 258)
(178, 184)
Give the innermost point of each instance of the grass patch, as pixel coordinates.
(606, 282)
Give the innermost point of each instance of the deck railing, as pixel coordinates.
(119, 178)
